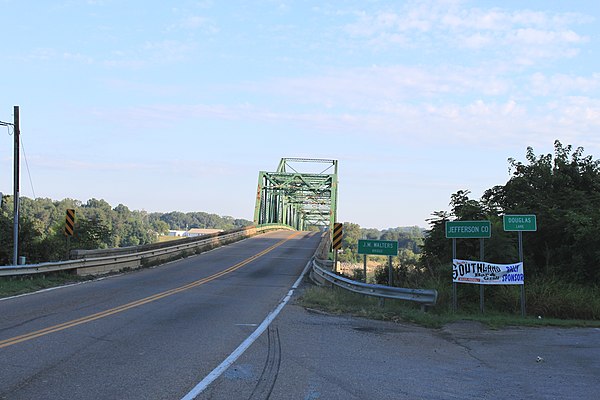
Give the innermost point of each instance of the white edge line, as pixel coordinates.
(218, 371)
(102, 277)
(58, 287)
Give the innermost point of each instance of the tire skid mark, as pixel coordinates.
(268, 377)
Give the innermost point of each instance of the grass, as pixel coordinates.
(12, 286)
(549, 303)
(339, 301)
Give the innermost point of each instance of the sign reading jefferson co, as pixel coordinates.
(378, 247)
(468, 229)
(520, 223)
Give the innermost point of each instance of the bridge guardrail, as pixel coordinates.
(426, 297)
(321, 273)
(136, 259)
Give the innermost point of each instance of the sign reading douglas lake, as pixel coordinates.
(520, 223)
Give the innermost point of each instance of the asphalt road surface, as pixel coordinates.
(307, 355)
(150, 334)
(156, 333)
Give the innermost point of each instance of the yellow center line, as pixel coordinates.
(137, 303)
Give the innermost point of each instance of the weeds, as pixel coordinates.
(339, 301)
(11, 286)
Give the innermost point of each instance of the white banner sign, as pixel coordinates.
(482, 273)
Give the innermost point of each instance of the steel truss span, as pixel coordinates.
(301, 193)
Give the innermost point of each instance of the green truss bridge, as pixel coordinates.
(295, 198)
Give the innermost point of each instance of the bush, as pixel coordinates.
(548, 298)
(358, 274)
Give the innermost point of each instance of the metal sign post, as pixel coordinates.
(379, 248)
(468, 230)
(390, 272)
(454, 297)
(481, 287)
(520, 223)
(523, 285)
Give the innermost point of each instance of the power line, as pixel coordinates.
(7, 125)
(28, 171)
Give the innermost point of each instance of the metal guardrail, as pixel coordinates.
(320, 274)
(135, 259)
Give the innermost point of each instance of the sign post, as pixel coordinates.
(520, 223)
(468, 230)
(69, 228)
(336, 242)
(380, 248)
(365, 267)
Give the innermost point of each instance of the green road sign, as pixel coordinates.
(468, 229)
(520, 223)
(378, 247)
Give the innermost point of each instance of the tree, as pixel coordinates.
(351, 234)
(563, 190)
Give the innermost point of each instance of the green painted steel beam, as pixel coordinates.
(297, 197)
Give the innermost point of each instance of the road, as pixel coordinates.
(150, 334)
(309, 356)
(156, 333)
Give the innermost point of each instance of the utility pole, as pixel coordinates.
(17, 133)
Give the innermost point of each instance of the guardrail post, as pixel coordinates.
(390, 272)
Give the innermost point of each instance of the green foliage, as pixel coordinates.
(410, 240)
(11, 286)
(97, 225)
(358, 274)
(340, 301)
(184, 221)
(563, 190)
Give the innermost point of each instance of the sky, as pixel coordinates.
(177, 105)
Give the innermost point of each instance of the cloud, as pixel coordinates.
(562, 84)
(145, 88)
(368, 88)
(443, 104)
(168, 50)
(152, 53)
(197, 22)
(48, 54)
(506, 34)
(579, 112)
(70, 164)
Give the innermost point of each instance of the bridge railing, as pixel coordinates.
(95, 262)
(321, 274)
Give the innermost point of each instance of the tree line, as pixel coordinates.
(410, 239)
(97, 225)
(561, 189)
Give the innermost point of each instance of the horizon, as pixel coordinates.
(179, 106)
